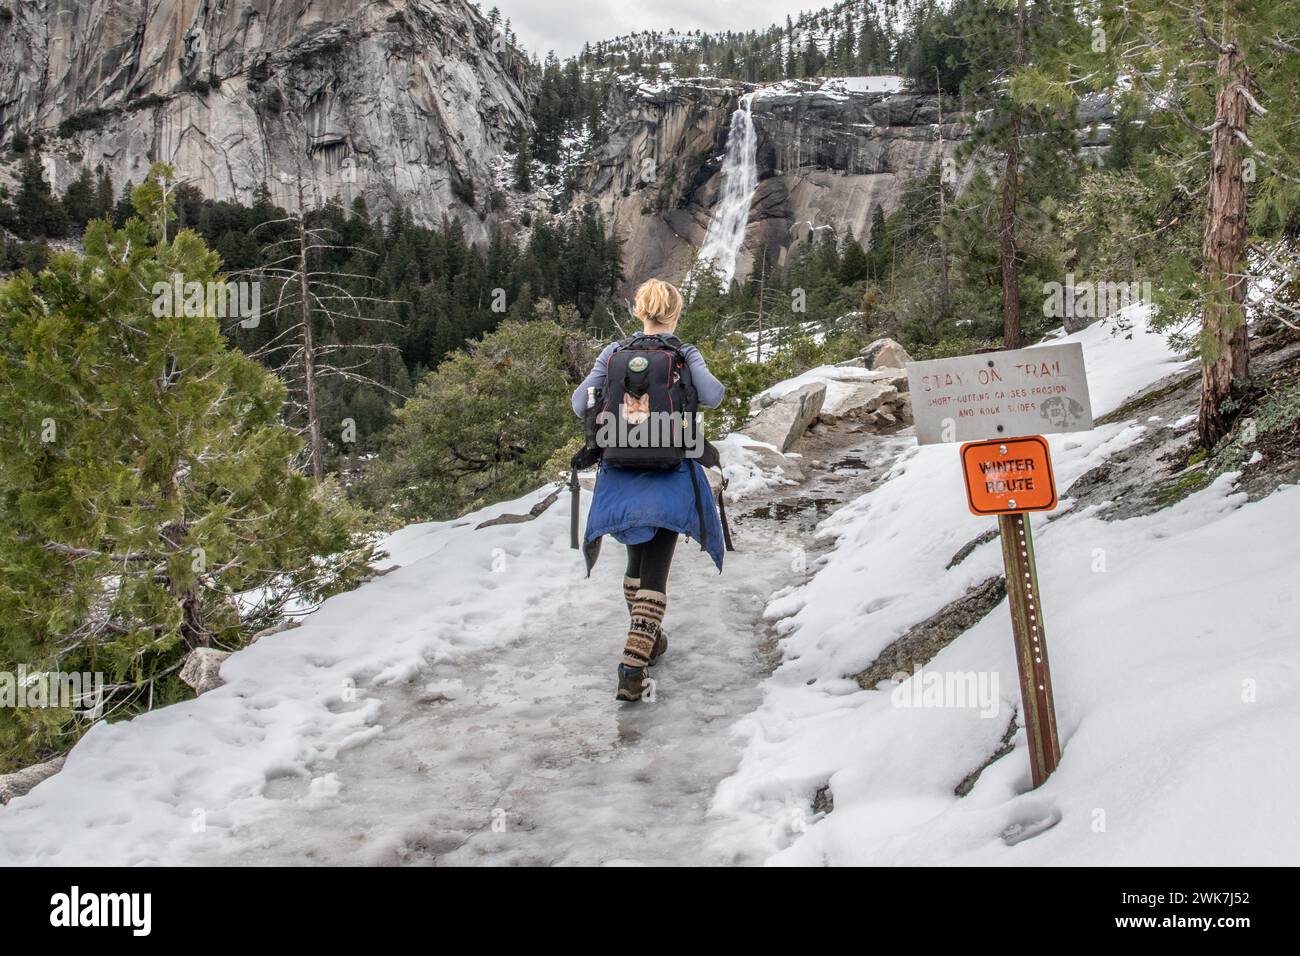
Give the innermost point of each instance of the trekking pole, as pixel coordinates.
(575, 500)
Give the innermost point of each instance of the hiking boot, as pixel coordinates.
(661, 646)
(630, 680)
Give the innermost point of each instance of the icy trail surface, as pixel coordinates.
(520, 755)
(459, 710)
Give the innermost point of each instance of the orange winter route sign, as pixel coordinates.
(1035, 391)
(1008, 477)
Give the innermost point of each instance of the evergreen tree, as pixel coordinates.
(854, 266)
(881, 247)
(486, 422)
(523, 164)
(124, 210)
(79, 199)
(145, 484)
(1223, 76)
(103, 205)
(37, 212)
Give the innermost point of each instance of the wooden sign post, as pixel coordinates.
(1009, 479)
(1031, 645)
(985, 400)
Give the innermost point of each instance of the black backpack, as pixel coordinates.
(648, 407)
(646, 417)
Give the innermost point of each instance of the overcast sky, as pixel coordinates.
(565, 25)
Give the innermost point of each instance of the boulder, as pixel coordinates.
(202, 669)
(863, 399)
(896, 377)
(784, 420)
(21, 781)
(885, 353)
(902, 408)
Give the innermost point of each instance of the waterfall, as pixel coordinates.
(717, 256)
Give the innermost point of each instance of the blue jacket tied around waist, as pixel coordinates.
(632, 505)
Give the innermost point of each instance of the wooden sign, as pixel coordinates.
(1008, 477)
(1038, 391)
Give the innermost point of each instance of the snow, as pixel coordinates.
(745, 473)
(1176, 676)
(401, 718)
(472, 685)
(886, 83)
(777, 339)
(291, 702)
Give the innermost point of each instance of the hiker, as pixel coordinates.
(646, 497)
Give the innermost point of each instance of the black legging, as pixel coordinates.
(650, 561)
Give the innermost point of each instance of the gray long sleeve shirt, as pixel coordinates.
(708, 389)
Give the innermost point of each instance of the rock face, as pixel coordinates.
(825, 158)
(784, 421)
(655, 176)
(828, 158)
(401, 101)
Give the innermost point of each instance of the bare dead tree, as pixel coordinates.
(315, 299)
(946, 294)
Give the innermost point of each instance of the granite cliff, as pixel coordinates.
(399, 101)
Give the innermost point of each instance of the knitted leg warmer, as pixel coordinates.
(647, 614)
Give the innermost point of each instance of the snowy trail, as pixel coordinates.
(518, 754)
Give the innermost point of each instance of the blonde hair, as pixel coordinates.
(657, 302)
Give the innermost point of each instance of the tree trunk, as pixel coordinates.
(194, 630)
(945, 296)
(308, 347)
(1012, 337)
(1225, 348)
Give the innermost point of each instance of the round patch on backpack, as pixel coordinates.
(638, 364)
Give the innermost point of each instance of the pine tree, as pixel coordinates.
(452, 447)
(38, 213)
(1222, 79)
(881, 246)
(523, 164)
(312, 302)
(79, 198)
(124, 210)
(854, 266)
(1035, 144)
(103, 204)
(146, 483)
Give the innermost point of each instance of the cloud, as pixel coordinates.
(565, 25)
